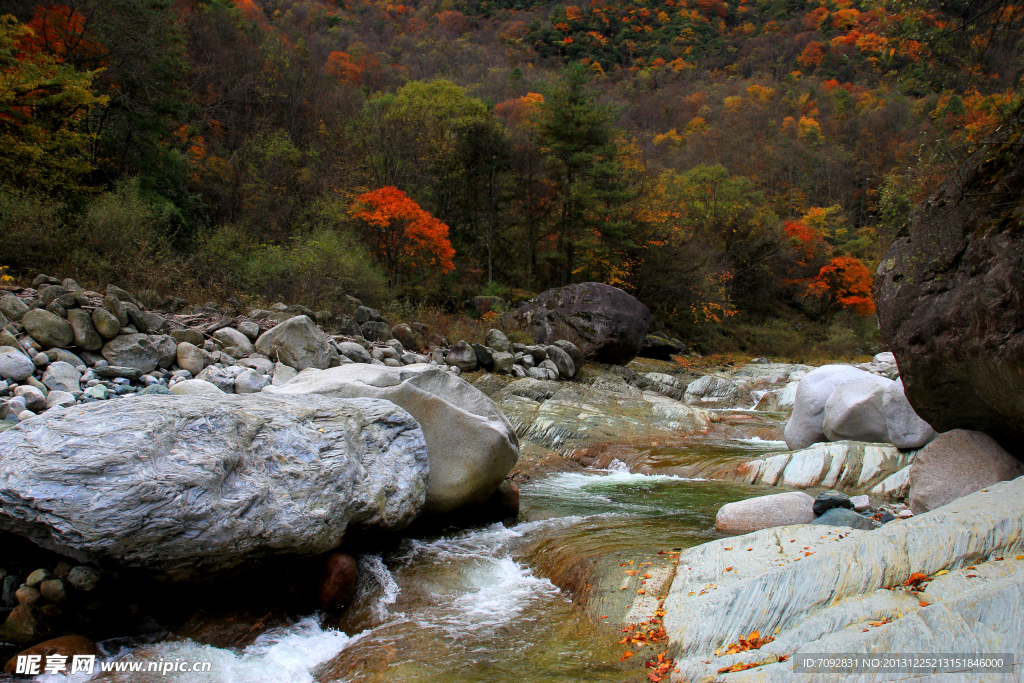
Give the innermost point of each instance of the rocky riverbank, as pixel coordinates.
(257, 453)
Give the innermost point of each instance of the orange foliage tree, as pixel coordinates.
(341, 67)
(401, 233)
(812, 55)
(844, 282)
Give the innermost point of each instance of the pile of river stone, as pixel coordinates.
(61, 345)
(36, 601)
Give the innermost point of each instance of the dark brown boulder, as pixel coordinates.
(610, 324)
(338, 582)
(410, 339)
(950, 297)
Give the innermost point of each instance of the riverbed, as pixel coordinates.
(521, 603)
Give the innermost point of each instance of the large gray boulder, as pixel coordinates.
(574, 353)
(806, 425)
(85, 334)
(132, 351)
(298, 343)
(234, 343)
(949, 296)
(47, 328)
(562, 361)
(710, 389)
(190, 357)
(902, 424)
(61, 376)
(191, 488)
(854, 411)
(13, 307)
(610, 323)
(462, 356)
(955, 464)
(106, 323)
(354, 352)
(497, 340)
(196, 387)
(472, 446)
(764, 512)
(14, 365)
(166, 349)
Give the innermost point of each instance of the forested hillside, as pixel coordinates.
(738, 166)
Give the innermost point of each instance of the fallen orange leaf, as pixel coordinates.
(641, 591)
(626, 655)
(915, 579)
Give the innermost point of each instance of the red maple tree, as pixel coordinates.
(401, 233)
(844, 282)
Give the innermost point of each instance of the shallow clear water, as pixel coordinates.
(480, 605)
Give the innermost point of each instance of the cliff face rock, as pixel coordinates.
(950, 297)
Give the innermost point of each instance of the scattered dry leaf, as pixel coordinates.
(916, 579)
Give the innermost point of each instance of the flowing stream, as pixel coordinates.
(491, 604)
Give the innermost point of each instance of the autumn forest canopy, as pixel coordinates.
(740, 166)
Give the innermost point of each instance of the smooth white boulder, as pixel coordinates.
(904, 428)
(806, 425)
(471, 444)
(854, 410)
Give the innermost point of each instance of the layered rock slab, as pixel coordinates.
(192, 487)
(818, 594)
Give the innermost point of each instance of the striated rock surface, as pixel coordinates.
(849, 466)
(471, 444)
(602, 410)
(817, 591)
(193, 487)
